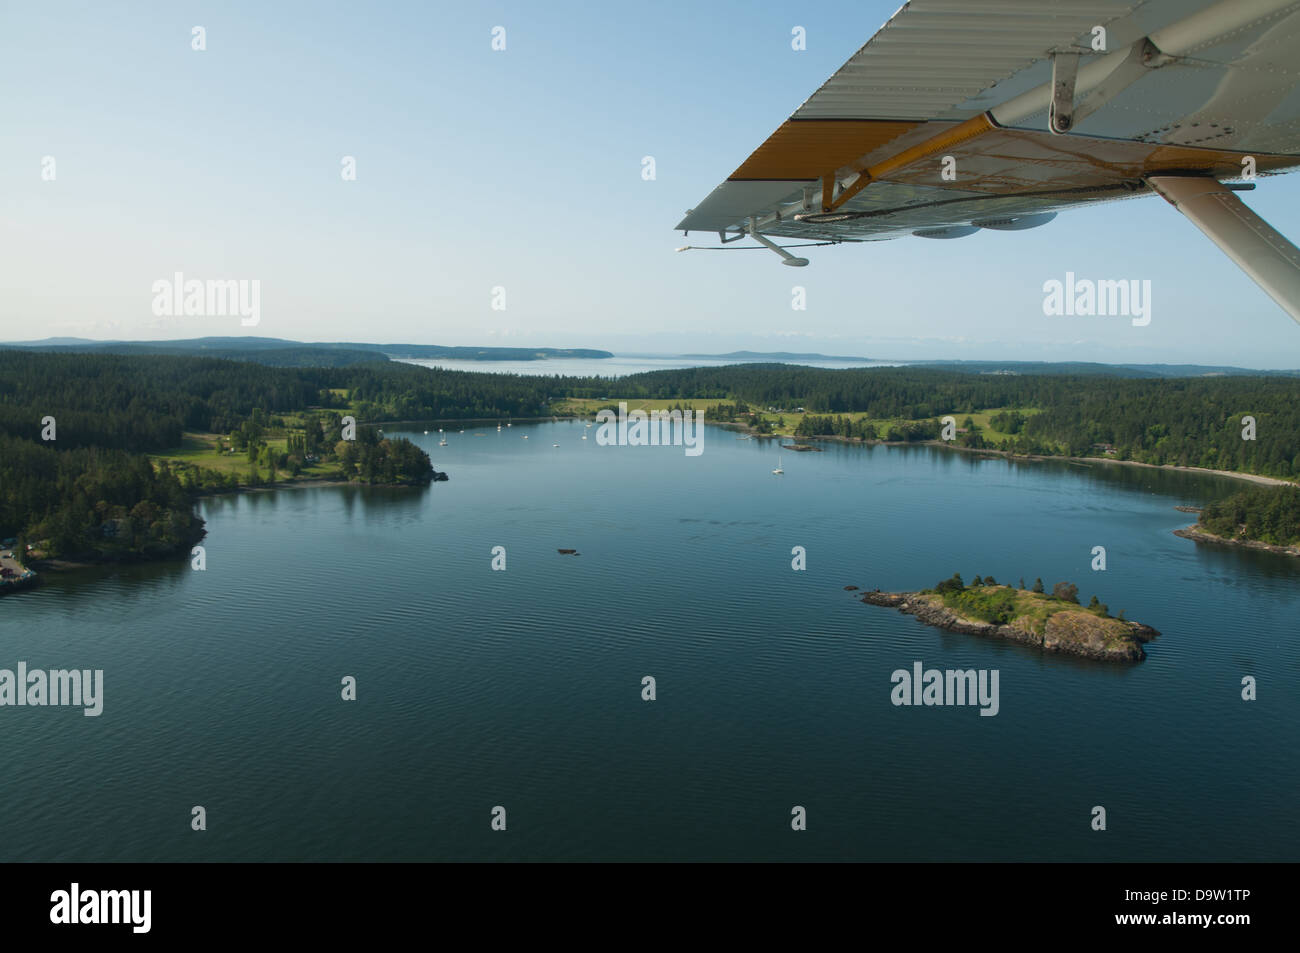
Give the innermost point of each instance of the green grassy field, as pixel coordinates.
(783, 424)
(883, 424)
(580, 406)
(984, 602)
(198, 449)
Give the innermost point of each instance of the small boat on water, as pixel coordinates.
(555, 445)
(778, 471)
(442, 442)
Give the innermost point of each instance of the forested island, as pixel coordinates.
(282, 353)
(1055, 621)
(149, 421)
(1264, 518)
(1189, 422)
(102, 456)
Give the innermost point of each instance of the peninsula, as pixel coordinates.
(1055, 622)
(1257, 518)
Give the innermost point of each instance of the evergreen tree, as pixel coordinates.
(1066, 592)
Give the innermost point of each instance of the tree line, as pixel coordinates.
(91, 492)
(144, 403)
(91, 502)
(1268, 514)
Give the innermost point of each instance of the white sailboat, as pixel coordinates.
(778, 471)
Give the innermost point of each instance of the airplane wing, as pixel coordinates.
(958, 117)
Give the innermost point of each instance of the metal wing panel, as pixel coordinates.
(733, 202)
(1237, 91)
(934, 55)
(937, 62)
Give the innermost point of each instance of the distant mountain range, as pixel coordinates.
(282, 353)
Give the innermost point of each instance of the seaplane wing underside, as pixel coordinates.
(958, 117)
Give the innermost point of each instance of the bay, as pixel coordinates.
(522, 688)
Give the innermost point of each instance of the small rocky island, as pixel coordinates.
(1055, 622)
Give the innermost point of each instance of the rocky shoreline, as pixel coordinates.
(1196, 534)
(1071, 631)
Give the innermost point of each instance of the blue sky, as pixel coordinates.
(519, 169)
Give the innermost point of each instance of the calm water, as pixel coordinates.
(522, 688)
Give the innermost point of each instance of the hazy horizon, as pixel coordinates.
(480, 169)
(864, 359)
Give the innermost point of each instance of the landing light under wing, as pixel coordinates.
(958, 116)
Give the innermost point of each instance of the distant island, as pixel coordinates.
(279, 352)
(759, 356)
(1055, 622)
(1092, 368)
(431, 351)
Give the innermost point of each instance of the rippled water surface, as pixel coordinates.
(523, 688)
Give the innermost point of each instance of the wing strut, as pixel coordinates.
(1260, 250)
(786, 257)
